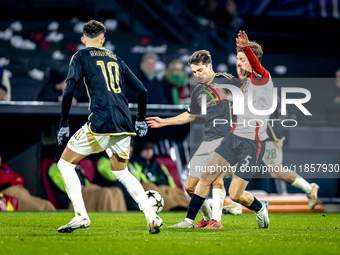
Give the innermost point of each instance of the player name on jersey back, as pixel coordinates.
(102, 53)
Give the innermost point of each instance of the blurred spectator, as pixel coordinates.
(53, 89)
(148, 76)
(11, 184)
(4, 81)
(3, 93)
(149, 170)
(155, 176)
(332, 100)
(235, 20)
(177, 80)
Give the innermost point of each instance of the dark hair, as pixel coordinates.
(3, 88)
(198, 57)
(256, 48)
(93, 28)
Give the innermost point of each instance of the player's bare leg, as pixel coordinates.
(311, 189)
(190, 185)
(214, 172)
(202, 191)
(277, 172)
(135, 189)
(238, 194)
(205, 210)
(213, 177)
(66, 165)
(71, 156)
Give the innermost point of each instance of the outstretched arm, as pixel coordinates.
(243, 42)
(156, 122)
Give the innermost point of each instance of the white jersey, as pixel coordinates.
(250, 125)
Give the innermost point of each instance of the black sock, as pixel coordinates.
(195, 204)
(255, 205)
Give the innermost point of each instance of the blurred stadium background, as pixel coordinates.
(300, 40)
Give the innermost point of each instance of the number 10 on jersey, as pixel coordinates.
(110, 65)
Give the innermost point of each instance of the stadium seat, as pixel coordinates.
(172, 168)
(89, 170)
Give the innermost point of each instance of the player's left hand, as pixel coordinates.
(141, 128)
(242, 39)
(62, 131)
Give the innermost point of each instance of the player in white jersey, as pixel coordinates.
(244, 145)
(274, 155)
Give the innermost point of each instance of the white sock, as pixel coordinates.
(206, 211)
(302, 184)
(217, 206)
(136, 191)
(73, 187)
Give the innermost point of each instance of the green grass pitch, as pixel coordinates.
(126, 233)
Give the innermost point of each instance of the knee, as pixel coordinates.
(62, 163)
(234, 196)
(206, 182)
(218, 184)
(274, 175)
(190, 189)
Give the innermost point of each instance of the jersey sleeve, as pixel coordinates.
(194, 107)
(236, 82)
(67, 101)
(135, 84)
(228, 79)
(75, 70)
(258, 70)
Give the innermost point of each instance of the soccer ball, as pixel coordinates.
(156, 200)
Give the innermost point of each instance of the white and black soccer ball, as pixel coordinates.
(156, 200)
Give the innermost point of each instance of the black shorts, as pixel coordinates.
(247, 153)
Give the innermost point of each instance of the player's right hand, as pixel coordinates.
(242, 39)
(154, 122)
(62, 131)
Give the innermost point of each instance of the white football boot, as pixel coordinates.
(233, 208)
(155, 225)
(183, 224)
(75, 223)
(262, 215)
(313, 196)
